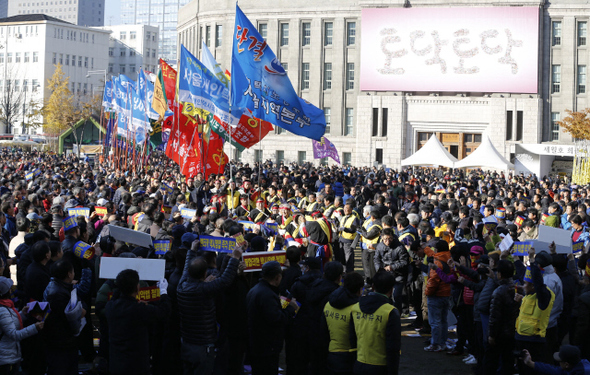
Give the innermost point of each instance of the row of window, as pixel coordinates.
(72, 35)
(14, 85)
(582, 33)
(556, 79)
(80, 88)
(218, 35)
(51, 3)
(64, 59)
(133, 35)
(328, 76)
(132, 52)
(132, 68)
(26, 57)
(301, 157)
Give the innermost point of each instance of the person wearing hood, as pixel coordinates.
(375, 329)
(335, 324)
(553, 282)
(392, 257)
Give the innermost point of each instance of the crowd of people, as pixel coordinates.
(431, 246)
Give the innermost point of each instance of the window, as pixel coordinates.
(131, 69)
(27, 57)
(280, 156)
(26, 85)
(384, 122)
(328, 116)
(17, 85)
(123, 35)
(350, 76)
(218, 35)
(582, 32)
(61, 58)
(328, 29)
(73, 60)
(132, 52)
(379, 155)
(132, 35)
(147, 35)
(327, 76)
(122, 52)
(556, 40)
(262, 28)
(301, 157)
(258, 155)
(67, 59)
(85, 88)
(555, 118)
(346, 158)
(122, 68)
(153, 53)
(284, 34)
(111, 51)
(305, 33)
(285, 67)
(375, 131)
(86, 62)
(556, 78)
(519, 125)
(508, 125)
(348, 125)
(110, 67)
(305, 76)
(581, 79)
(17, 58)
(208, 36)
(351, 33)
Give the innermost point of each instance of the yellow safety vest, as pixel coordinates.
(532, 321)
(370, 334)
(235, 202)
(338, 324)
(368, 224)
(302, 203)
(347, 224)
(287, 222)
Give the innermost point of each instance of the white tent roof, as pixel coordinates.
(432, 153)
(485, 155)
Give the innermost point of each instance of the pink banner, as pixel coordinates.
(457, 49)
(325, 149)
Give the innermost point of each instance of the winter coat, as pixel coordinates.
(396, 256)
(36, 280)
(11, 335)
(59, 329)
(196, 303)
(435, 286)
(503, 312)
(553, 282)
(582, 314)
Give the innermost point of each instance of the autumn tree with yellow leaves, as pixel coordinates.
(578, 125)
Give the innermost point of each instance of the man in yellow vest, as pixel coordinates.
(370, 231)
(349, 225)
(335, 324)
(533, 318)
(376, 330)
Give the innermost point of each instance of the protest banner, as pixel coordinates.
(561, 237)
(79, 211)
(147, 294)
(240, 241)
(148, 269)
(32, 174)
(254, 261)
(577, 246)
(522, 248)
(248, 225)
(222, 244)
(162, 246)
(101, 211)
(167, 188)
(83, 250)
(131, 236)
(187, 213)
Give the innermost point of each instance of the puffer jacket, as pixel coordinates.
(196, 303)
(10, 336)
(57, 223)
(396, 256)
(553, 282)
(435, 287)
(482, 306)
(503, 311)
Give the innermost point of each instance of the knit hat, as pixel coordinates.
(5, 285)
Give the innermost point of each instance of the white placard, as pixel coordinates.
(506, 243)
(131, 236)
(148, 269)
(561, 237)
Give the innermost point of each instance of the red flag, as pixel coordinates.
(209, 157)
(169, 76)
(182, 135)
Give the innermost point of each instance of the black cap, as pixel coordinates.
(544, 259)
(569, 354)
(271, 269)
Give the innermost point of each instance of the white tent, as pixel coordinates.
(432, 153)
(485, 155)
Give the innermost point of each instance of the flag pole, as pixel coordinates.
(259, 149)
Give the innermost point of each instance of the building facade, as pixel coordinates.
(33, 46)
(160, 13)
(319, 45)
(132, 47)
(79, 12)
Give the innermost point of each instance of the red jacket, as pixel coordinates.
(435, 287)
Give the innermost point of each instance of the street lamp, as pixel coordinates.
(95, 72)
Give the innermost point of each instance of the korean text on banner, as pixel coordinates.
(254, 261)
(162, 246)
(522, 248)
(221, 244)
(259, 83)
(79, 211)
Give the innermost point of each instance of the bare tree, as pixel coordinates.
(12, 99)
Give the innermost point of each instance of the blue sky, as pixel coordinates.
(112, 12)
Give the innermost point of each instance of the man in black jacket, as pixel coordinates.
(267, 321)
(130, 323)
(393, 257)
(503, 314)
(37, 276)
(196, 305)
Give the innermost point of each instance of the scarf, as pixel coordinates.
(8, 303)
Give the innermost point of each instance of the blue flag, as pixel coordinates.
(107, 97)
(146, 92)
(259, 83)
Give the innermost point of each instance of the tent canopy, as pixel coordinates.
(485, 155)
(432, 153)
